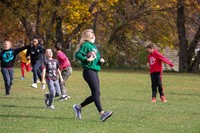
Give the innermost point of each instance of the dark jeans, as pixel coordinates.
(91, 77)
(37, 72)
(65, 74)
(8, 78)
(156, 82)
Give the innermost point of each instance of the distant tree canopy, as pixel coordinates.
(121, 26)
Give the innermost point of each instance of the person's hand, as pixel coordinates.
(28, 57)
(62, 81)
(171, 65)
(102, 60)
(90, 59)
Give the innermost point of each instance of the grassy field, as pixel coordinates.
(126, 93)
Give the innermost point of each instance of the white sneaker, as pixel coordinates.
(43, 86)
(34, 85)
(51, 107)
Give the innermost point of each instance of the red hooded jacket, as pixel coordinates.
(155, 60)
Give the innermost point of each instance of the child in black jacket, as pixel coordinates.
(8, 56)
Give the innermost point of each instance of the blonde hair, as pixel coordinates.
(85, 37)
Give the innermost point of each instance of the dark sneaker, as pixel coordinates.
(64, 98)
(105, 116)
(77, 111)
(46, 98)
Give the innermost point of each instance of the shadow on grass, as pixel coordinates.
(12, 97)
(36, 117)
(16, 106)
(172, 93)
(182, 94)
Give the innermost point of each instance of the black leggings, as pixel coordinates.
(91, 77)
(156, 82)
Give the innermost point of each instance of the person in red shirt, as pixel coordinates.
(155, 59)
(65, 68)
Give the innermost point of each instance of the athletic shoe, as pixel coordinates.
(38, 81)
(7, 95)
(46, 98)
(63, 98)
(153, 100)
(77, 111)
(34, 85)
(22, 78)
(105, 116)
(163, 99)
(43, 86)
(51, 107)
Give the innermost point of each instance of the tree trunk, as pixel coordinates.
(78, 28)
(24, 19)
(49, 37)
(191, 50)
(28, 27)
(59, 33)
(182, 36)
(38, 21)
(195, 64)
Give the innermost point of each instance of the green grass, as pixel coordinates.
(126, 93)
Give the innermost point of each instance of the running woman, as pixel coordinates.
(91, 66)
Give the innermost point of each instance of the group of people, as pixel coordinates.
(34, 57)
(48, 69)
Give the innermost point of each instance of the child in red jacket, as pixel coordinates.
(155, 60)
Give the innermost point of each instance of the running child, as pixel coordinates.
(155, 60)
(25, 64)
(65, 68)
(36, 54)
(8, 56)
(50, 71)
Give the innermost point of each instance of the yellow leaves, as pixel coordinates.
(157, 6)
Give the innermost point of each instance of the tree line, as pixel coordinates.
(122, 27)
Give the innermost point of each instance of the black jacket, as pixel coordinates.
(8, 56)
(36, 53)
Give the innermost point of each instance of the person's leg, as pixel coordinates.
(39, 73)
(65, 74)
(28, 67)
(91, 77)
(159, 83)
(6, 77)
(11, 73)
(22, 68)
(160, 86)
(52, 91)
(57, 88)
(153, 85)
(36, 71)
